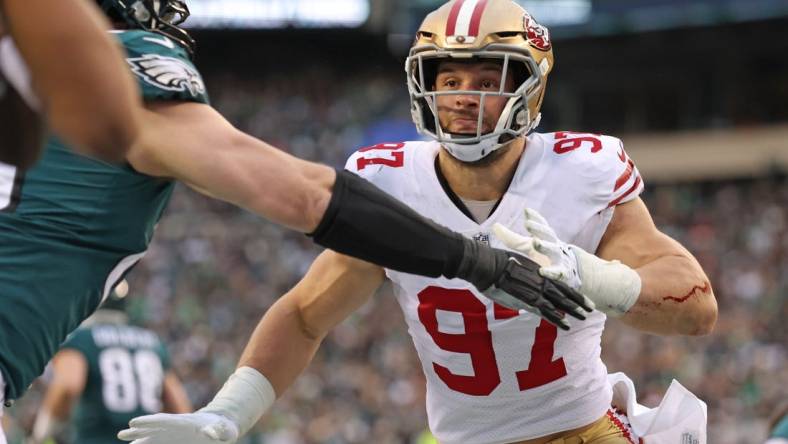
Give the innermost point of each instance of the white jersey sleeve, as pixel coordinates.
(597, 163)
(390, 166)
(590, 174)
(372, 162)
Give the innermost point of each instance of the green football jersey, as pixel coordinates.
(71, 227)
(126, 368)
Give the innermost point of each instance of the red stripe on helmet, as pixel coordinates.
(476, 18)
(452, 23)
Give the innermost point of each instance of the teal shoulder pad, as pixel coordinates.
(162, 68)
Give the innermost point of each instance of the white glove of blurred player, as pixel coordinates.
(240, 403)
(191, 428)
(612, 286)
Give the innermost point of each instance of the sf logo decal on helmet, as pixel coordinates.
(538, 35)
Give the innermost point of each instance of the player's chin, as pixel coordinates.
(464, 131)
(469, 130)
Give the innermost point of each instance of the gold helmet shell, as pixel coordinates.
(480, 30)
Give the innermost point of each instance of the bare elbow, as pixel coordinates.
(707, 319)
(704, 318)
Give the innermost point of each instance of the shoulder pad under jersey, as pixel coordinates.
(390, 166)
(596, 164)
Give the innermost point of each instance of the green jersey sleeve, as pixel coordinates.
(162, 68)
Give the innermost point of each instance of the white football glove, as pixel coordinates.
(240, 403)
(191, 428)
(612, 286)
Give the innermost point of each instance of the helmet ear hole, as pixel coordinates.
(520, 73)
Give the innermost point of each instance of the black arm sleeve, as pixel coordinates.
(365, 222)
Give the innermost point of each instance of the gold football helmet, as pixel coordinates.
(463, 30)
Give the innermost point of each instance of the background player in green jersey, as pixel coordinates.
(110, 371)
(72, 226)
(70, 57)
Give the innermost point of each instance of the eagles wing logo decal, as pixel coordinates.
(168, 73)
(538, 36)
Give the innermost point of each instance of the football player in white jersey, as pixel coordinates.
(87, 94)
(476, 76)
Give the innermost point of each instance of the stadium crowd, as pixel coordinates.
(213, 270)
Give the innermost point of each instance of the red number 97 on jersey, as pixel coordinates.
(393, 158)
(477, 342)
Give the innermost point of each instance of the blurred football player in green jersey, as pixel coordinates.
(86, 93)
(110, 371)
(72, 226)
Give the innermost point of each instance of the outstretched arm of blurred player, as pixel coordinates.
(78, 71)
(279, 350)
(195, 144)
(638, 273)
(70, 373)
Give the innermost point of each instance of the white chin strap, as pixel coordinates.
(471, 152)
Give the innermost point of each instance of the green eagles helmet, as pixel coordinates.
(159, 16)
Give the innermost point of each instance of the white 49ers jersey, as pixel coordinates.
(495, 375)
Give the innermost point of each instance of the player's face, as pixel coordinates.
(459, 114)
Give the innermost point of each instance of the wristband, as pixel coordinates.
(243, 399)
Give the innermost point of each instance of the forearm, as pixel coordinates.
(216, 159)
(270, 183)
(675, 298)
(342, 211)
(281, 361)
